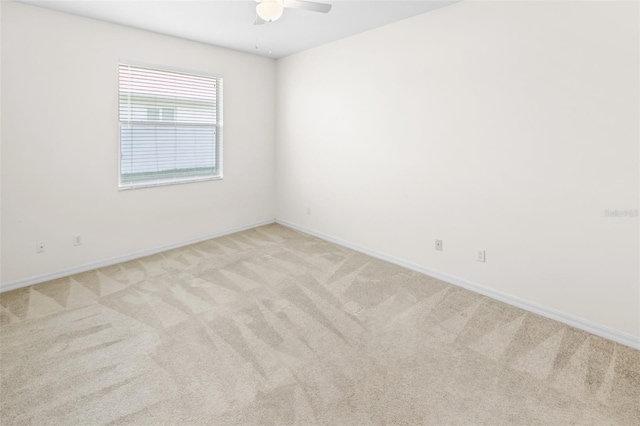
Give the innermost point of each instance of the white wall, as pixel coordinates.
(60, 144)
(504, 126)
(0, 145)
(508, 127)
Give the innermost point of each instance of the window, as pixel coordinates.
(170, 126)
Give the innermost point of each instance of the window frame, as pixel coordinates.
(219, 126)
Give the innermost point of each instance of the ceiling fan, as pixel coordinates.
(271, 10)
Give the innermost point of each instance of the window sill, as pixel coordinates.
(166, 182)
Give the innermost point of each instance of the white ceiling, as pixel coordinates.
(230, 23)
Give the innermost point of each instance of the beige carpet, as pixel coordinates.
(271, 326)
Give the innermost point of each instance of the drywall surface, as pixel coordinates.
(510, 127)
(60, 144)
(0, 146)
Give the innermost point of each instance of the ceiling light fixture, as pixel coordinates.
(270, 10)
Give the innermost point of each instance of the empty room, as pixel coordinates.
(327, 212)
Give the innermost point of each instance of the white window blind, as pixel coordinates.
(170, 126)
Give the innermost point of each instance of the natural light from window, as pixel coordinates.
(170, 126)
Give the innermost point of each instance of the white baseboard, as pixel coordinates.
(573, 321)
(112, 261)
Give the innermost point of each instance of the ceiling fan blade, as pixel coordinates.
(259, 21)
(308, 5)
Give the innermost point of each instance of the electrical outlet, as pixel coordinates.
(77, 240)
(439, 245)
(308, 211)
(479, 255)
(41, 247)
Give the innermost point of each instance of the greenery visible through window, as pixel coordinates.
(170, 126)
